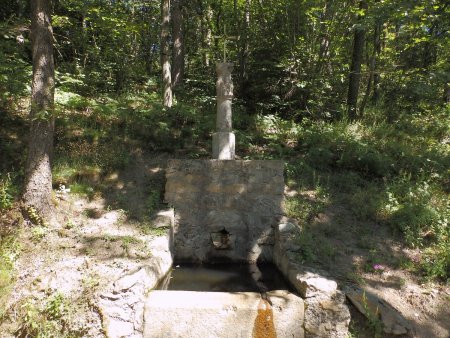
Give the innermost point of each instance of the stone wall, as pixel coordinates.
(225, 211)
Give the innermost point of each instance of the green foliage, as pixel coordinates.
(153, 202)
(10, 249)
(436, 260)
(38, 233)
(47, 319)
(418, 210)
(6, 192)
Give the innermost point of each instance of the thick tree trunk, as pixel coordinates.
(165, 53)
(38, 175)
(355, 68)
(178, 44)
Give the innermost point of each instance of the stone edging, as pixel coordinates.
(326, 315)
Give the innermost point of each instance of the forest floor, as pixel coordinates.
(92, 241)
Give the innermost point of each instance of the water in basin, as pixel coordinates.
(224, 278)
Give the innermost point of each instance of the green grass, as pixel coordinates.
(10, 249)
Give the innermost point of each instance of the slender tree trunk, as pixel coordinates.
(165, 53)
(178, 43)
(206, 20)
(371, 66)
(377, 48)
(243, 55)
(355, 68)
(324, 37)
(38, 175)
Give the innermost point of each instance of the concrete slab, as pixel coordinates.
(186, 314)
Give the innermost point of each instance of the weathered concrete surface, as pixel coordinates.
(224, 210)
(224, 139)
(189, 314)
(223, 145)
(288, 313)
(224, 92)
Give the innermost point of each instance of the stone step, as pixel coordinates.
(186, 314)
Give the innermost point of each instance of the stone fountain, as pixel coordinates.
(229, 211)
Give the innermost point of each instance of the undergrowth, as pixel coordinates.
(10, 248)
(394, 174)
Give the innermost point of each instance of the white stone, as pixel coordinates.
(164, 218)
(189, 314)
(118, 329)
(310, 284)
(288, 313)
(286, 227)
(223, 146)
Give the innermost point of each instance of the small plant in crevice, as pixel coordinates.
(34, 217)
(373, 317)
(127, 241)
(38, 233)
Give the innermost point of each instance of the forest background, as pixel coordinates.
(352, 95)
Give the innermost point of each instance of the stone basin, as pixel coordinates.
(225, 278)
(195, 314)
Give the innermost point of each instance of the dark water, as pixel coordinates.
(224, 278)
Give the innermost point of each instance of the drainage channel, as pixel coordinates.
(223, 301)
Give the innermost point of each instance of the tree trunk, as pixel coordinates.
(244, 50)
(38, 174)
(355, 68)
(178, 44)
(165, 53)
(207, 35)
(376, 73)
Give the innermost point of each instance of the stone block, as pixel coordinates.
(288, 309)
(217, 314)
(244, 197)
(309, 283)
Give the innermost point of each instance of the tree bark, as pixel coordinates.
(165, 53)
(38, 175)
(178, 44)
(355, 68)
(244, 49)
(207, 34)
(376, 73)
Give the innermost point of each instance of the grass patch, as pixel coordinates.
(10, 249)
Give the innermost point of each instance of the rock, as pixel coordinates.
(286, 227)
(309, 283)
(164, 218)
(122, 304)
(326, 315)
(375, 308)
